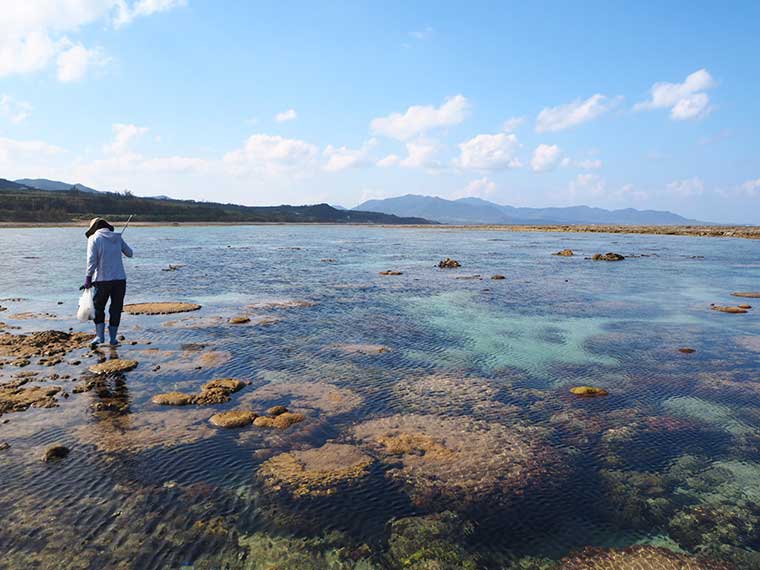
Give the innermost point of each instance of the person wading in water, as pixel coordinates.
(105, 272)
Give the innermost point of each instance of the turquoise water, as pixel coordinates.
(473, 382)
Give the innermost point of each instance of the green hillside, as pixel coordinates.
(19, 203)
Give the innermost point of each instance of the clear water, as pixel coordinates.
(156, 487)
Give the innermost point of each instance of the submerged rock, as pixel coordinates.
(160, 308)
(449, 263)
(233, 418)
(312, 398)
(431, 542)
(280, 421)
(315, 472)
(565, 253)
(609, 256)
(363, 349)
(710, 527)
(54, 452)
(588, 391)
(459, 462)
(115, 366)
(639, 558)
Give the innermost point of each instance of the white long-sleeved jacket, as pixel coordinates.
(104, 251)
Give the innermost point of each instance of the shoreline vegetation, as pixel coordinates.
(744, 232)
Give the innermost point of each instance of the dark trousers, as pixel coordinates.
(115, 290)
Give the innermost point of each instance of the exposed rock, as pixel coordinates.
(328, 260)
(4, 445)
(588, 391)
(218, 391)
(609, 256)
(728, 309)
(565, 253)
(55, 452)
(159, 308)
(115, 366)
(744, 306)
(638, 558)
(391, 272)
(747, 294)
(173, 267)
(315, 472)
(173, 399)
(240, 320)
(45, 343)
(233, 418)
(281, 421)
(449, 263)
(276, 410)
(498, 277)
(14, 397)
(31, 316)
(686, 350)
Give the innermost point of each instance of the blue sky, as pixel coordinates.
(645, 105)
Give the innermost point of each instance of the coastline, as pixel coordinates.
(744, 232)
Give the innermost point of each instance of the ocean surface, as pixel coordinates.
(440, 399)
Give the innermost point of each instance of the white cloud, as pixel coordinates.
(421, 154)
(480, 188)
(123, 136)
(629, 192)
(422, 34)
(545, 158)
(589, 164)
(489, 152)
(587, 185)
(420, 119)
(271, 155)
(126, 13)
(390, 160)
(552, 119)
(685, 100)
(34, 32)
(751, 187)
(289, 115)
(340, 158)
(13, 152)
(687, 187)
(512, 124)
(74, 61)
(13, 109)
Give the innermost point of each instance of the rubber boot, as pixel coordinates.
(100, 333)
(113, 333)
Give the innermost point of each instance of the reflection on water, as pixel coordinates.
(439, 430)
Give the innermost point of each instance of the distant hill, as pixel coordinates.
(53, 185)
(19, 203)
(478, 211)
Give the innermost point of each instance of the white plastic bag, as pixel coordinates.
(86, 311)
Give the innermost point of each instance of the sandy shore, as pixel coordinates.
(747, 232)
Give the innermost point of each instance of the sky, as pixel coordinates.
(650, 105)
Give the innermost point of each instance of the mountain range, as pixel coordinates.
(478, 211)
(52, 185)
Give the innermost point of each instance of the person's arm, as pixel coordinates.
(125, 249)
(92, 262)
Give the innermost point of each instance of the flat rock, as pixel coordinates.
(114, 366)
(239, 320)
(233, 418)
(160, 308)
(173, 399)
(497, 277)
(609, 256)
(588, 391)
(449, 263)
(565, 253)
(747, 294)
(728, 309)
(391, 272)
(282, 421)
(276, 410)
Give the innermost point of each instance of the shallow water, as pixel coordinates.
(476, 364)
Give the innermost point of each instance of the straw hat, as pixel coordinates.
(94, 226)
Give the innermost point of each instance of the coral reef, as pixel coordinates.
(160, 308)
(315, 472)
(444, 462)
(639, 558)
(431, 542)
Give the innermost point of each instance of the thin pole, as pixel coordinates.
(124, 229)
